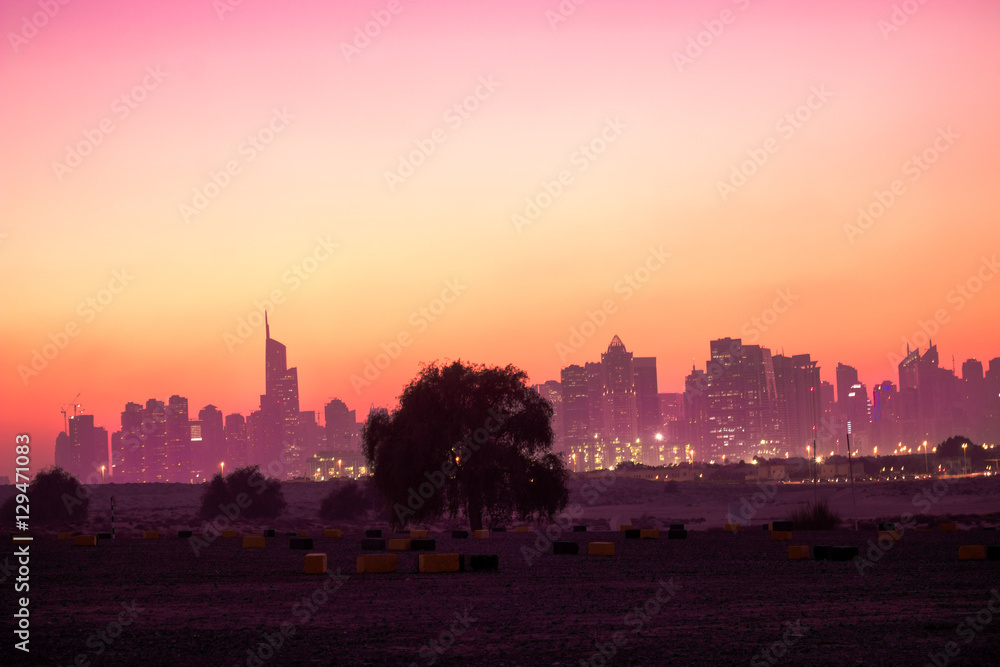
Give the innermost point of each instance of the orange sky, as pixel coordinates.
(500, 104)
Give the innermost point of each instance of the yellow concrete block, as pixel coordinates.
(600, 548)
(418, 534)
(85, 541)
(430, 563)
(481, 535)
(781, 535)
(400, 544)
(731, 527)
(150, 535)
(626, 526)
(798, 552)
(254, 542)
(376, 563)
(948, 527)
(65, 536)
(888, 535)
(649, 534)
(972, 552)
(333, 532)
(522, 529)
(303, 533)
(229, 533)
(315, 563)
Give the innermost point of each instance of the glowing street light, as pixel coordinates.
(966, 455)
(102, 474)
(927, 465)
(222, 468)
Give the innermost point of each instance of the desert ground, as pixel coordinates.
(713, 598)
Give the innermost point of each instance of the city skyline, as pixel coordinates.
(747, 403)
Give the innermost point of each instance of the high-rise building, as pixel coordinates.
(647, 401)
(279, 409)
(552, 392)
(213, 443)
(237, 441)
(696, 420)
(178, 440)
(742, 401)
(620, 413)
(578, 437)
(341, 428)
(154, 441)
(799, 408)
(595, 393)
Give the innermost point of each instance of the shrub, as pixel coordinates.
(347, 501)
(814, 517)
(255, 496)
(54, 497)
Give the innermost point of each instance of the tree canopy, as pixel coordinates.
(468, 438)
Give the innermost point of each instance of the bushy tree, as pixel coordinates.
(253, 495)
(468, 438)
(348, 501)
(55, 497)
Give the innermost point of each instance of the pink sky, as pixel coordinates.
(335, 125)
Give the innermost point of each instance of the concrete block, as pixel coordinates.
(254, 542)
(373, 544)
(649, 534)
(484, 562)
(424, 545)
(433, 563)
(305, 543)
(781, 535)
(373, 532)
(85, 541)
(579, 529)
(418, 534)
(677, 534)
(481, 535)
(522, 529)
(230, 533)
(183, 534)
(315, 563)
(398, 544)
(459, 534)
(972, 552)
(376, 563)
(64, 536)
(798, 552)
(731, 527)
(632, 534)
(333, 532)
(949, 527)
(888, 535)
(150, 535)
(600, 548)
(565, 548)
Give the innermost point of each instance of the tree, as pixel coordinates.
(246, 493)
(347, 501)
(470, 438)
(54, 497)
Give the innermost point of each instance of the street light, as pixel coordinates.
(222, 468)
(102, 474)
(966, 455)
(927, 465)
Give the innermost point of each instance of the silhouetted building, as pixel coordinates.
(212, 450)
(620, 413)
(178, 440)
(237, 442)
(578, 436)
(647, 401)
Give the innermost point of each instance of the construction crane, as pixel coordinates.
(63, 407)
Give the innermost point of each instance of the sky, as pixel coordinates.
(502, 183)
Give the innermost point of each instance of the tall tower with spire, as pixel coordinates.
(279, 404)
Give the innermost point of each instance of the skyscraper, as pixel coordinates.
(620, 413)
(237, 442)
(279, 408)
(178, 440)
(647, 399)
(578, 436)
(213, 442)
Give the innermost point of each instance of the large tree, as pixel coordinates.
(466, 437)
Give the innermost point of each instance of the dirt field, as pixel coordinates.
(714, 598)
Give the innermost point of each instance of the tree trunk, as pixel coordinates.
(475, 512)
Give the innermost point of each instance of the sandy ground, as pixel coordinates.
(714, 598)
